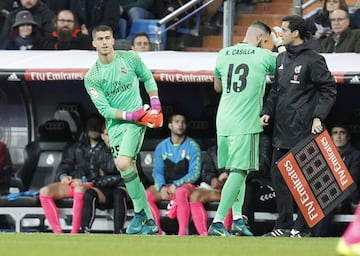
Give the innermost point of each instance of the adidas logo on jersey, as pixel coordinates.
(355, 80)
(13, 77)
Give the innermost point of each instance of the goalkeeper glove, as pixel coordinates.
(141, 116)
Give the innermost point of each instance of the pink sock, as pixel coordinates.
(154, 209)
(183, 210)
(199, 217)
(352, 234)
(228, 220)
(51, 213)
(77, 211)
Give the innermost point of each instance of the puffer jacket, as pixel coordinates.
(303, 89)
(85, 162)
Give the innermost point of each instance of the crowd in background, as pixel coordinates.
(67, 24)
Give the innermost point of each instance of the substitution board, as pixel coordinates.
(316, 176)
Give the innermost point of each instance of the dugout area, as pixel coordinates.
(34, 86)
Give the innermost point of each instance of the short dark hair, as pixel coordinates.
(171, 117)
(297, 23)
(95, 122)
(262, 26)
(101, 28)
(138, 35)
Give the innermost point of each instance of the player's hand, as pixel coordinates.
(137, 115)
(264, 119)
(317, 126)
(155, 104)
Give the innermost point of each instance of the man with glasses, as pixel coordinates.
(67, 34)
(342, 38)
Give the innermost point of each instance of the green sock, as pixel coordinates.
(136, 191)
(229, 194)
(238, 203)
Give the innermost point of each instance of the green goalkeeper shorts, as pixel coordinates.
(126, 139)
(239, 152)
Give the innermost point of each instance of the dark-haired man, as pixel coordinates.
(298, 103)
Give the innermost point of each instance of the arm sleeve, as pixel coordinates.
(158, 170)
(326, 86)
(97, 96)
(145, 75)
(67, 163)
(209, 170)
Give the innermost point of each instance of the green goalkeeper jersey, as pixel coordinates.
(115, 85)
(242, 69)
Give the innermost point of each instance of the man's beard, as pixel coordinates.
(65, 34)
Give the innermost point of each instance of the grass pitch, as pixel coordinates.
(38, 244)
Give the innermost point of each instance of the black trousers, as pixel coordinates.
(284, 199)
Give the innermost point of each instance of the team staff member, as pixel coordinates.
(113, 85)
(299, 101)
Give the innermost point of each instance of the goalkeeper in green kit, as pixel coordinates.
(113, 86)
(239, 76)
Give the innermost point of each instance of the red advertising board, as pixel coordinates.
(316, 176)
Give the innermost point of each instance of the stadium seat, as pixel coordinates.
(150, 27)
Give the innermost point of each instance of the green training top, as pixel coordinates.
(115, 85)
(242, 69)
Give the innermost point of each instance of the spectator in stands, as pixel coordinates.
(42, 15)
(24, 34)
(177, 168)
(78, 166)
(340, 134)
(141, 42)
(6, 170)
(91, 13)
(213, 180)
(67, 34)
(109, 192)
(133, 10)
(342, 38)
(319, 23)
(299, 65)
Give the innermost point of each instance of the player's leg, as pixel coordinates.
(92, 198)
(197, 209)
(120, 209)
(78, 203)
(129, 144)
(47, 195)
(182, 195)
(349, 243)
(153, 196)
(239, 153)
(238, 226)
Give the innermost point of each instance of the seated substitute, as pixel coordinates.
(76, 169)
(109, 192)
(177, 168)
